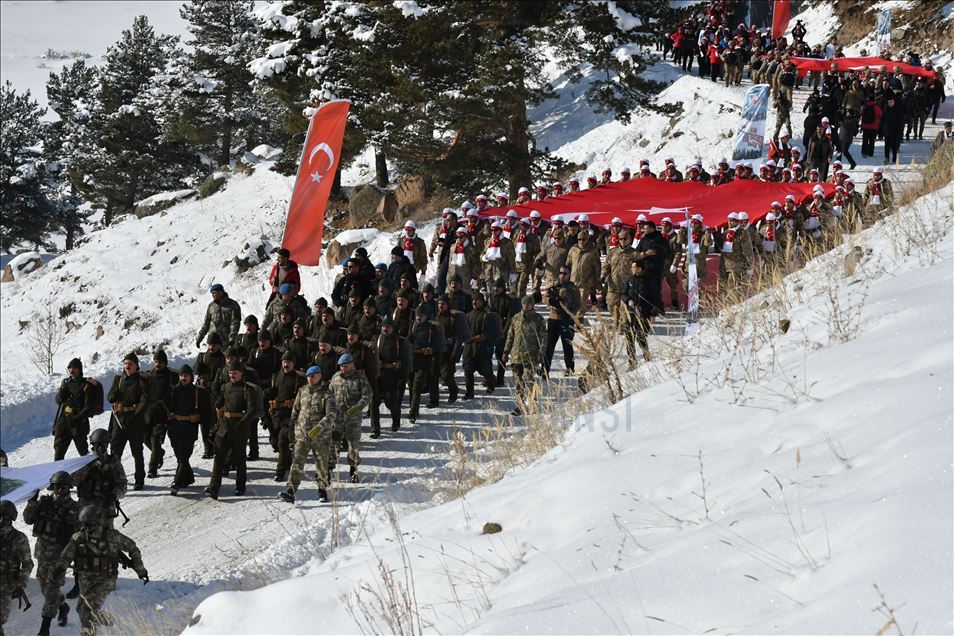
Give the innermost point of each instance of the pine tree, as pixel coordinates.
(25, 187)
(216, 99)
(70, 94)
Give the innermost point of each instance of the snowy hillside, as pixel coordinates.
(825, 469)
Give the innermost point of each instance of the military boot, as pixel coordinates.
(501, 369)
(61, 615)
(322, 495)
(468, 386)
(45, 626)
(74, 591)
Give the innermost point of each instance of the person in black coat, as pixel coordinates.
(654, 252)
(353, 280)
(892, 128)
(846, 136)
(399, 266)
(637, 297)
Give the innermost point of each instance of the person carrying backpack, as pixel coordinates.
(870, 124)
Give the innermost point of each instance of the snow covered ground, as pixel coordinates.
(769, 502)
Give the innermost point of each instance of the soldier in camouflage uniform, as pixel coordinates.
(55, 518)
(314, 422)
(190, 407)
(16, 562)
(524, 348)
(238, 407)
(161, 380)
(280, 394)
(129, 396)
(103, 481)
(95, 553)
(77, 395)
(223, 317)
(350, 395)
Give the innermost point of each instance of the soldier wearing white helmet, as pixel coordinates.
(754, 235)
(735, 266)
(556, 189)
(624, 175)
(526, 246)
(523, 195)
(724, 174)
(498, 257)
(669, 234)
(606, 176)
(879, 195)
(644, 171)
(510, 224)
(574, 185)
(503, 199)
(698, 240)
(671, 173)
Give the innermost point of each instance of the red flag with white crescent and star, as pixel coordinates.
(781, 15)
(316, 174)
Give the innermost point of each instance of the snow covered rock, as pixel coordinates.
(20, 266)
(264, 151)
(371, 204)
(212, 184)
(256, 251)
(162, 201)
(343, 245)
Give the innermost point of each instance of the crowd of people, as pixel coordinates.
(309, 375)
(879, 103)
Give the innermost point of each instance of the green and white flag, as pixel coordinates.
(18, 484)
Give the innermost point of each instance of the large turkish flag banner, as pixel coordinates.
(316, 174)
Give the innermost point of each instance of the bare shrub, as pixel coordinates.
(45, 335)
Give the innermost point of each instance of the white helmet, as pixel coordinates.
(643, 162)
(770, 163)
(776, 204)
(878, 170)
(743, 216)
(770, 217)
(466, 205)
(523, 190)
(733, 216)
(473, 213)
(410, 224)
(625, 171)
(666, 219)
(534, 214)
(697, 217)
(616, 219)
(480, 197)
(790, 197)
(512, 214)
(497, 225)
(583, 217)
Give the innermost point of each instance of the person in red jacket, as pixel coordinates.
(284, 271)
(870, 124)
(715, 62)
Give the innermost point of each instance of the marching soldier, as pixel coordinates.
(238, 407)
(583, 260)
(161, 380)
(526, 249)
(505, 306)
(314, 422)
(190, 409)
(672, 280)
(737, 254)
(403, 316)
(207, 368)
(223, 316)
(454, 327)
(498, 256)
(615, 274)
(350, 395)
(478, 354)
(80, 397)
(394, 364)
(366, 361)
(95, 553)
(564, 301)
(266, 360)
(426, 340)
(55, 518)
(281, 393)
(16, 562)
(129, 396)
(103, 481)
(526, 339)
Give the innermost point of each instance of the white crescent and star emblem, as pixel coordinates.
(325, 148)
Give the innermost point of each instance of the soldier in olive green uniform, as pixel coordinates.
(249, 339)
(55, 518)
(583, 260)
(190, 407)
(161, 380)
(16, 562)
(78, 396)
(300, 346)
(478, 354)
(238, 407)
(314, 422)
(524, 348)
(350, 395)
(526, 246)
(394, 365)
(330, 329)
(426, 340)
(266, 360)
(207, 368)
(453, 323)
(616, 273)
(129, 396)
(369, 325)
(95, 553)
(403, 316)
(506, 306)
(326, 357)
(281, 397)
(366, 361)
(223, 317)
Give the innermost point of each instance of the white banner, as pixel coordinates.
(19, 484)
(883, 32)
(751, 134)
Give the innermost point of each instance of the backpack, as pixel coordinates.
(94, 398)
(867, 114)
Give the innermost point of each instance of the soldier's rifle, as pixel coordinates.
(56, 419)
(127, 563)
(120, 511)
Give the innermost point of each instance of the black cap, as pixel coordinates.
(397, 251)
(264, 334)
(428, 288)
(300, 323)
(132, 357)
(456, 279)
(186, 370)
(284, 252)
(361, 251)
(369, 302)
(214, 338)
(160, 356)
(250, 320)
(444, 298)
(420, 311)
(236, 365)
(387, 320)
(75, 363)
(500, 282)
(288, 355)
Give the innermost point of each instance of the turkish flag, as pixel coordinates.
(316, 174)
(781, 15)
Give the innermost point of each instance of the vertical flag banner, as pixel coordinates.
(781, 16)
(316, 174)
(751, 134)
(884, 32)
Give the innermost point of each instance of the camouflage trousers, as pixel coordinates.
(47, 555)
(93, 591)
(320, 450)
(6, 597)
(352, 436)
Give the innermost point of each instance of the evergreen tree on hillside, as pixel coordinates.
(71, 94)
(217, 101)
(26, 189)
(129, 156)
